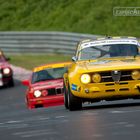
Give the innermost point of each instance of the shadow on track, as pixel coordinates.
(119, 104)
(16, 83)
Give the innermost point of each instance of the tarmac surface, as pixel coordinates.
(99, 121)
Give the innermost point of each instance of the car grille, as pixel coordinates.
(125, 76)
(55, 91)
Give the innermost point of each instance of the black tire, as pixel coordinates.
(74, 103)
(11, 83)
(65, 97)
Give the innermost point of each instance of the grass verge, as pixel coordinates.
(31, 61)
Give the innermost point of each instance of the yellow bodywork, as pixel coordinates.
(103, 90)
(51, 65)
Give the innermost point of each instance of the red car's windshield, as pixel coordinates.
(48, 74)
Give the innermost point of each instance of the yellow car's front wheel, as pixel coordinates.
(74, 103)
(66, 97)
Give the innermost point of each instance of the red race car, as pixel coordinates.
(6, 73)
(45, 87)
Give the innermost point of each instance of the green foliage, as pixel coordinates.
(83, 16)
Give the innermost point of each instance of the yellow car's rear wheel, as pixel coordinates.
(74, 103)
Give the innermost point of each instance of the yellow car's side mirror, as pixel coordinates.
(74, 58)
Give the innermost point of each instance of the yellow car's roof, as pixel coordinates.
(51, 65)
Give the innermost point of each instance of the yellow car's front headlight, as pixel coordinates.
(96, 78)
(135, 75)
(85, 78)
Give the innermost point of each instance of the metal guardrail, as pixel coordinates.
(41, 42)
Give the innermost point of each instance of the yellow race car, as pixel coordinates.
(103, 69)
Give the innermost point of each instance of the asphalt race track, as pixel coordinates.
(119, 120)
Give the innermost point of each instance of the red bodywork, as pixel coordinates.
(52, 93)
(6, 73)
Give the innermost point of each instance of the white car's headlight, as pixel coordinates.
(6, 70)
(37, 93)
(85, 78)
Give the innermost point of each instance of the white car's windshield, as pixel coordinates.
(107, 51)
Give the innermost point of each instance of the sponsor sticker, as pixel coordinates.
(74, 87)
(109, 42)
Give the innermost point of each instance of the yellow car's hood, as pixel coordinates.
(109, 64)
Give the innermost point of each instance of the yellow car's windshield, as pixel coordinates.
(107, 51)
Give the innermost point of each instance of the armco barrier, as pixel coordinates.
(41, 42)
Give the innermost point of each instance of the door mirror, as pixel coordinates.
(25, 82)
(74, 58)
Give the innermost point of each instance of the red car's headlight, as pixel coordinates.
(44, 92)
(37, 93)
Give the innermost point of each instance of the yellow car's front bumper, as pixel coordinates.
(107, 90)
